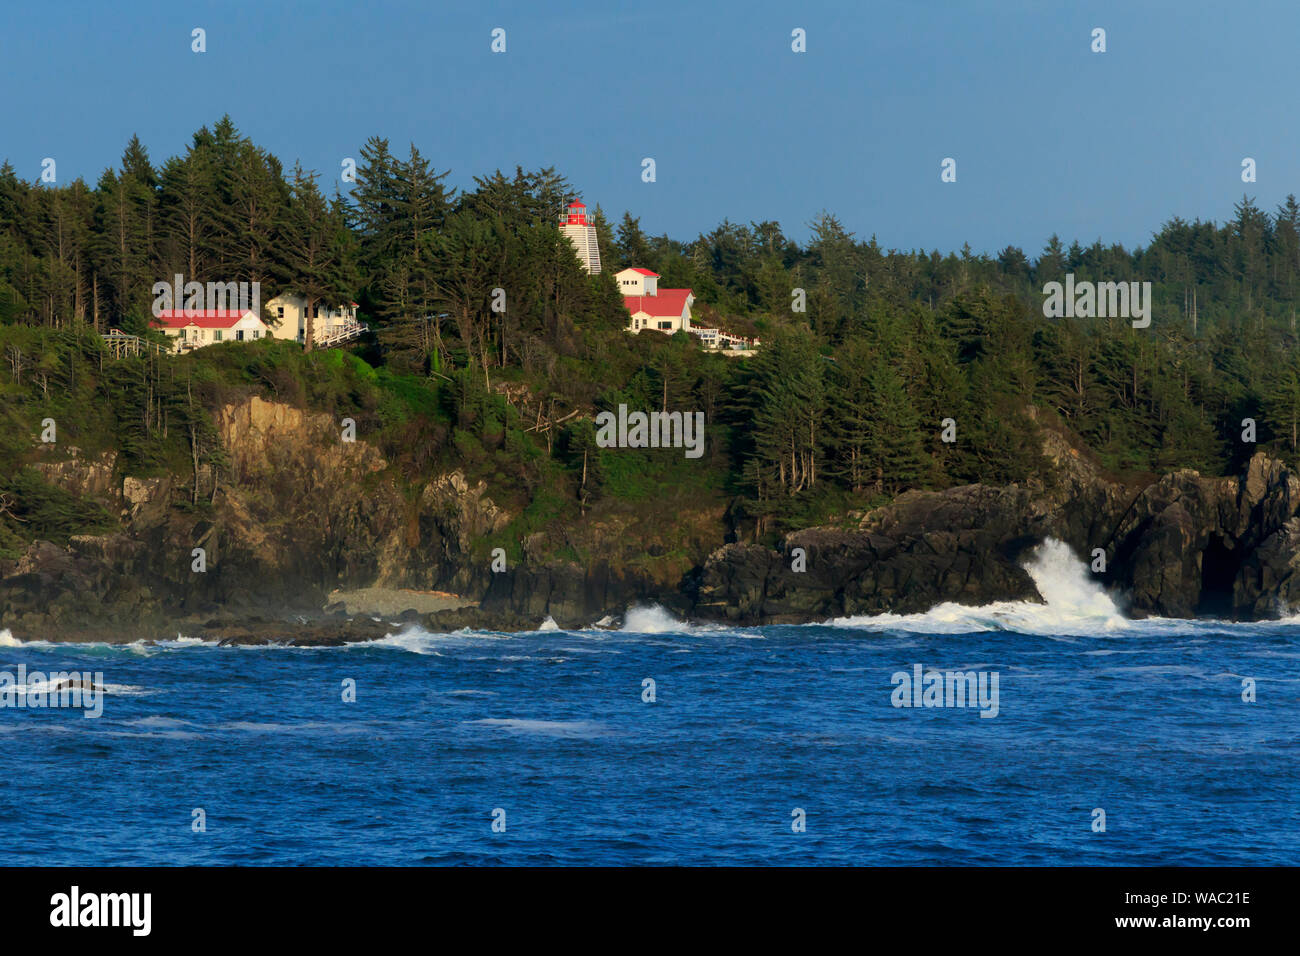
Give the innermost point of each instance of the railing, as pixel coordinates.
(122, 345)
(718, 339)
(345, 333)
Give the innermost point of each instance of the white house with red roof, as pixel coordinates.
(195, 328)
(650, 307)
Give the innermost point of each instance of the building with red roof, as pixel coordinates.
(194, 328)
(580, 229)
(650, 307)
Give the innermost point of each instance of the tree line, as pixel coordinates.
(867, 351)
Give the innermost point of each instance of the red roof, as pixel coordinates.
(203, 318)
(645, 272)
(669, 302)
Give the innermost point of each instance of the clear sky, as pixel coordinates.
(1048, 136)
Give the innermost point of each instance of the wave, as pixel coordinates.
(39, 688)
(1074, 605)
(416, 640)
(655, 619)
(546, 728)
(141, 647)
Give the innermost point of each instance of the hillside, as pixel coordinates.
(475, 429)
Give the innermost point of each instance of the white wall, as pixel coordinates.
(631, 282)
(293, 324)
(194, 336)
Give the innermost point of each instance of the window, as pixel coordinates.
(256, 333)
(239, 335)
(665, 325)
(216, 335)
(280, 312)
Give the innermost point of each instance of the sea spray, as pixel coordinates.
(1066, 584)
(651, 619)
(1073, 604)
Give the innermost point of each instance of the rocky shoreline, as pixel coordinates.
(288, 531)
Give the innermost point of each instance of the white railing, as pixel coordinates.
(716, 338)
(344, 333)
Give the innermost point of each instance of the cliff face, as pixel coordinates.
(1180, 546)
(298, 512)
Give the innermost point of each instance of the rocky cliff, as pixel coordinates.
(298, 512)
(1179, 546)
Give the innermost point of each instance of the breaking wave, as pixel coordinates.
(651, 619)
(1074, 604)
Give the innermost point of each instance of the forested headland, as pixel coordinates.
(839, 410)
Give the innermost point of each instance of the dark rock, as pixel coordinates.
(1179, 546)
(289, 526)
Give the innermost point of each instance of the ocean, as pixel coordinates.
(752, 746)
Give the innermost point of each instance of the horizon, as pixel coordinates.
(741, 155)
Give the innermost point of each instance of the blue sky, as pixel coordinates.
(1048, 136)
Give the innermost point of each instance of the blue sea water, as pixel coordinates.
(1144, 720)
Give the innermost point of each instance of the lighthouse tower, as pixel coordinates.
(577, 225)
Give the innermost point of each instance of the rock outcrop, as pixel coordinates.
(296, 512)
(1180, 546)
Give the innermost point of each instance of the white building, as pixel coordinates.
(650, 307)
(581, 231)
(195, 328)
(637, 282)
(669, 311)
(288, 320)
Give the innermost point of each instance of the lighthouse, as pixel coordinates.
(577, 225)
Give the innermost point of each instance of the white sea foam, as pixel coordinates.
(158, 721)
(651, 619)
(417, 640)
(181, 641)
(48, 687)
(655, 619)
(1075, 604)
(549, 728)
